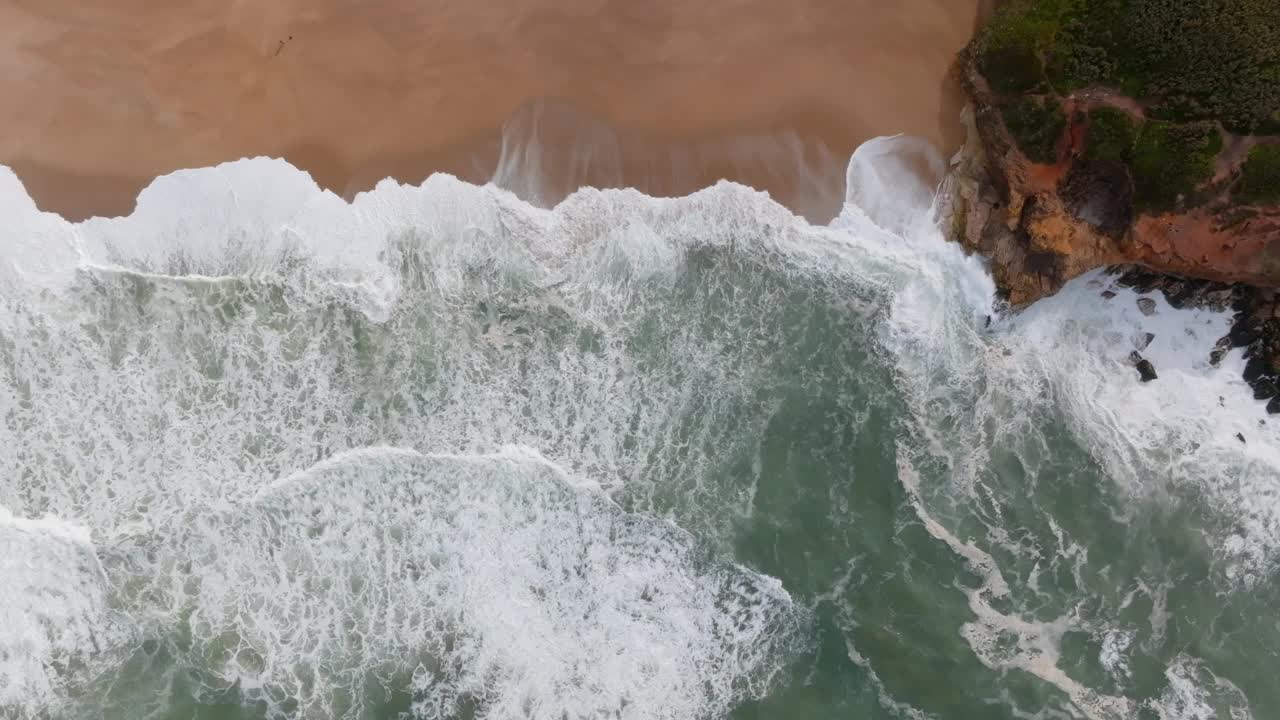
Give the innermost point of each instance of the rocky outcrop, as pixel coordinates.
(1146, 371)
(1256, 328)
(1043, 223)
(1175, 185)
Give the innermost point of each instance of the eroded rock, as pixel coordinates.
(1265, 388)
(1146, 371)
(1043, 223)
(1219, 351)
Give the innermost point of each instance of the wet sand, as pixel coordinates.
(668, 95)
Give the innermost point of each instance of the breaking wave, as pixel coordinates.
(443, 453)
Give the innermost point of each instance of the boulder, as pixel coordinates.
(1147, 306)
(1265, 388)
(1219, 350)
(1146, 371)
(1255, 369)
(1242, 335)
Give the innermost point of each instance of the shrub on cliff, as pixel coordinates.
(1012, 47)
(1171, 160)
(1260, 176)
(1036, 123)
(1167, 161)
(1189, 59)
(1111, 135)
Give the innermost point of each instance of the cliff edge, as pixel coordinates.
(1143, 132)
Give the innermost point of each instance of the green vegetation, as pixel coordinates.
(1172, 160)
(1166, 160)
(1036, 123)
(1189, 59)
(1014, 44)
(1193, 65)
(1260, 176)
(1112, 135)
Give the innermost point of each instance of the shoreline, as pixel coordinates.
(352, 94)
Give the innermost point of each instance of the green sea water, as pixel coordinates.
(441, 454)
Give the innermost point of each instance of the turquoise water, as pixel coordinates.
(441, 454)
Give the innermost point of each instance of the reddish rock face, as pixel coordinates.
(1043, 225)
(1201, 243)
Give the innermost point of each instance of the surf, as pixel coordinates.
(445, 452)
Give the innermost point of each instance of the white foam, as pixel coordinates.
(38, 248)
(53, 614)
(242, 325)
(1066, 357)
(190, 406)
(1177, 432)
(182, 366)
(1114, 656)
(493, 580)
(1195, 693)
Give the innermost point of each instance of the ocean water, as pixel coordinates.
(440, 453)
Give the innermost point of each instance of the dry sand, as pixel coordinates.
(100, 96)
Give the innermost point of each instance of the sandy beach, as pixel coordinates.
(666, 96)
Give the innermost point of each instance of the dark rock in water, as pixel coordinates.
(1187, 293)
(1142, 340)
(1135, 357)
(988, 321)
(1146, 370)
(1177, 291)
(1255, 327)
(1141, 280)
(1243, 297)
(1219, 350)
(1240, 437)
(1218, 298)
(1241, 335)
(1182, 292)
(1254, 369)
(1107, 294)
(1269, 338)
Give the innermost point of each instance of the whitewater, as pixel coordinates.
(439, 452)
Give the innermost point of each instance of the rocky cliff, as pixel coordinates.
(1083, 152)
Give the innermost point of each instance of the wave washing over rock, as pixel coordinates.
(440, 453)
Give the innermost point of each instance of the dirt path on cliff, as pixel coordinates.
(99, 97)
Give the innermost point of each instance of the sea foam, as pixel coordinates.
(283, 425)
